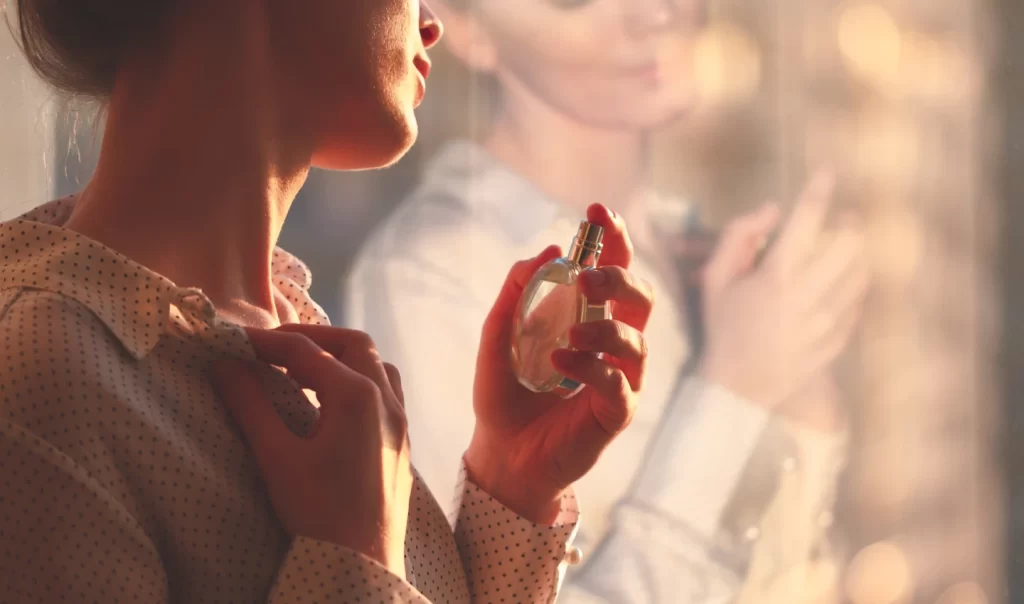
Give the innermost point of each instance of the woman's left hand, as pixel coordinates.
(528, 448)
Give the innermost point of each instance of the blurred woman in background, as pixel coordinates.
(674, 513)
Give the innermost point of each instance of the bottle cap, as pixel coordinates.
(586, 246)
(590, 234)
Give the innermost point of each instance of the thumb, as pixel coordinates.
(497, 332)
(241, 391)
(737, 249)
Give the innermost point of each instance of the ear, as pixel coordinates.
(466, 36)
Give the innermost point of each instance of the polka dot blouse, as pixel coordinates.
(122, 478)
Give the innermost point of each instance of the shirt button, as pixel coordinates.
(752, 533)
(573, 556)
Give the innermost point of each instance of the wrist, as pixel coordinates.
(515, 487)
(818, 407)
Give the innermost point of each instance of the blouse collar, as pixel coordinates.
(131, 300)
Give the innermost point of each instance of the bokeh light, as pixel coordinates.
(880, 574)
(886, 147)
(727, 64)
(963, 593)
(936, 70)
(871, 45)
(895, 242)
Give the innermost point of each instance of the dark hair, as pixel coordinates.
(77, 45)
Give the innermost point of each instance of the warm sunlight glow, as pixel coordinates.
(895, 243)
(963, 593)
(880, 574)
(871, 45)
(727, 65)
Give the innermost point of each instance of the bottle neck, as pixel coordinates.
(584, 255)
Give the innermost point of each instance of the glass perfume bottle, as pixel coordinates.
(550, 305)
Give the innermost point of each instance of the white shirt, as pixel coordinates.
(122, 478)
(423, 286)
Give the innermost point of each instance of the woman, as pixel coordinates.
(676, 511)
(150, 449)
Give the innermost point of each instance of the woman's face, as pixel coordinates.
(611, 63)
(357, 69)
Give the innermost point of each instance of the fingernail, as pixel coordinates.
(593, 278)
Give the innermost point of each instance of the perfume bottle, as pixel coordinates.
(550, 305)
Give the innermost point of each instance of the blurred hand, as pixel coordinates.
(773, 328)
(818, 405)
(350, 481)
(528, 448)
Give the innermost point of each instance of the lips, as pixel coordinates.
(422, 64)
(647, 71)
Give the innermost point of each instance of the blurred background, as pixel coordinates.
(916, 103)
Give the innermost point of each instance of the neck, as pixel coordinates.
(574, 163)
(196, 175)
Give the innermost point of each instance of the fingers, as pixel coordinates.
(395, 378)
(843, 257)
(832, 296)
(617, 339)
(833, 325)
(241, 390)
(852, 290)
(497, 330)
(838, 338)
(308, 364)
(801, 232)
(847, 300)
(615, 404)
(633, 297)
(352, 348)
(618, 247)
(739, 246)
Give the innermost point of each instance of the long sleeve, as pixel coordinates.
(503, 557)
(316, 571)
(106, 507)
(792, 561)
(662, 546)
(506, 557)
(64, 537)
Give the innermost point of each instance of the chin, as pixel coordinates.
(639, 112)
(640, 119)
(370, 144)
(661, 110)
(664, 118)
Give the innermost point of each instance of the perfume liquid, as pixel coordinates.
(551, 304)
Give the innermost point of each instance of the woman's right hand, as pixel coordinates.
(772, 329)
(349, 481)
